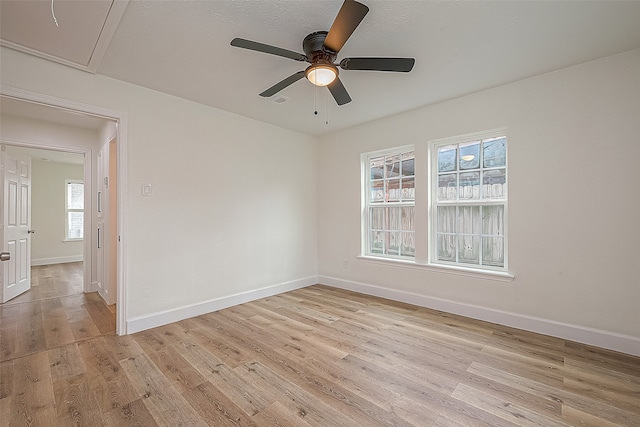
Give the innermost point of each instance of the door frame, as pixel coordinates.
(121, 119)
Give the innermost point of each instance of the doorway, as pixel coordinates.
(72, 113)
(55, 214)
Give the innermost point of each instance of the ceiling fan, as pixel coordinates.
(321, 50)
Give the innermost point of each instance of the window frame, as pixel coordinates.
(433, 202)
(365, 234)
(424, 231)
(67, 210)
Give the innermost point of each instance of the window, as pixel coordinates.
(74, 204)
(469, 202)
(390, 203)
(456, 199)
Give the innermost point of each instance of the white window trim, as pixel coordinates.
(432, 185)
(425, 248)
(67, 210)
(365, 183)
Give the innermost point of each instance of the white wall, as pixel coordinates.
(234, 205)
(48, 212)
(231, 214)
(574, 234)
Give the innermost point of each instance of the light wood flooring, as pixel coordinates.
(52, 281)
(312, 357)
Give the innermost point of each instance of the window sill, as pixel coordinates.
(502, 276)
(71, 240)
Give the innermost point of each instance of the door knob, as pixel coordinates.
(5, 256)
(31, 231)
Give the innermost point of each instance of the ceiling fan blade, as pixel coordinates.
(281, 85)
(349, 17)
(265, 48)
(403, 65)
(339, 92)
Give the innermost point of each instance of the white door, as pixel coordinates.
(15, 222)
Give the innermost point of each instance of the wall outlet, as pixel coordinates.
(345, 264)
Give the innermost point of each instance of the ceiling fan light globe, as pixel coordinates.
(321, 75)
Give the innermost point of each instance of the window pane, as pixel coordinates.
(408, 189)
(393, 243)
(391, 214)
(447, 158)
(392, 166)
(76, 225)
(447, 187)
(446, 247)
(75, 195)
(408, 167)
(494, 184)
(495, 152)
(377, 191)
(446, 219)
(470, 155)
(393, 190)
(377, 218)
(469, 220)
(393, 222)
(376, 242)
(493, 220)
(469, 249)
(408, 245)
(469, 185)
(377, 168)
(493, 251)
(407, 215)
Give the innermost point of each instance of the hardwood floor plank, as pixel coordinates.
(121, 347)
(77, 403)
(164, 403)
(99, 313)
(66, 362)
(316, 356)
(8, 337)
(575, 400)
(278, 415)
(303, 404)
(57, 330)
(31, 338)
(6, 375)
(215, 407)
(133, 414)
(81, 323)
(227, 380)
(182, 375)
(32, 398)
(574, 416)
(504, 409)
(356, 408)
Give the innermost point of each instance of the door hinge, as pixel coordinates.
(106, 181)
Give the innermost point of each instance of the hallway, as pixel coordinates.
(54, 313)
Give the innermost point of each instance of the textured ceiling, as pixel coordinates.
(182, 48)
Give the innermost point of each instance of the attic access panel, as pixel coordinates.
(79, 40)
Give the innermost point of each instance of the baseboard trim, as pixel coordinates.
(596, 337)
(56, 260)
(153, 320)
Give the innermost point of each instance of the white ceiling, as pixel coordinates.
(182, 48)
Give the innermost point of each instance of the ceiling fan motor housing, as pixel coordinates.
(313, 46)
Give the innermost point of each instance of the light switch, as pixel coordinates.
(146, 189)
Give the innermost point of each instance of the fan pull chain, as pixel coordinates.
(326, 108)
(315, 100)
